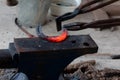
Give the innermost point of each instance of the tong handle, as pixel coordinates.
(94, 4)
(96, 24)
(87, 7)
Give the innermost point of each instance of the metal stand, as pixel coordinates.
(43, 60)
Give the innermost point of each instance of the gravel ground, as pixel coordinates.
(6, 74)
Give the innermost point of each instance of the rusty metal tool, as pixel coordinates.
(85, 8)
(55, 39)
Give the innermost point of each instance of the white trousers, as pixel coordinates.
(32, 12)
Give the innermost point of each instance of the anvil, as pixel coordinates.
(43, 60)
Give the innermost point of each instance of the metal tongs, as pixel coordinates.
(85, 8)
